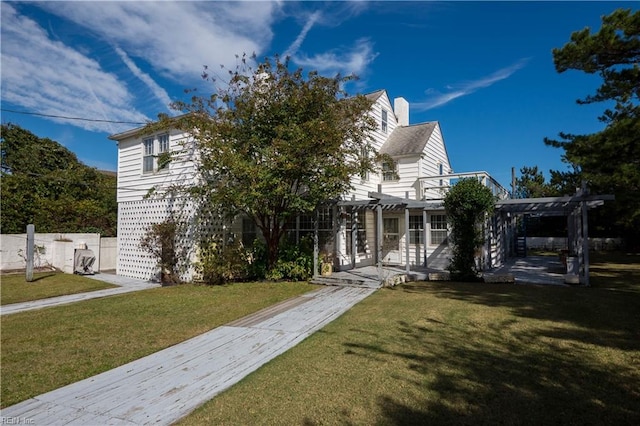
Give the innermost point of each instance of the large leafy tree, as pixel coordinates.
(274, 143)
(44, 183)
(609, 159)
(467, 204)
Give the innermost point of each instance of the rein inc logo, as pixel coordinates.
(16, 421)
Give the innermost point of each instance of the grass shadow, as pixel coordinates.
(482, 377)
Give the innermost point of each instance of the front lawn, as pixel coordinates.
(453, 353)
(46, 349)
(14, 288)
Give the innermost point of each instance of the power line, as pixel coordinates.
(71, 118)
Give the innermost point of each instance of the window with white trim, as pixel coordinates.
(416, 230)
(364, 154)
(383, 123)
(156, 151)
(438, 229)
(148, 158)
(389, 172)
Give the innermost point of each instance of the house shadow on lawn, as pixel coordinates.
(545, 355)
(602, 316)
(493, 379)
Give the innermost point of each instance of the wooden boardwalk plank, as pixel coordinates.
(165, 386)
(127, 286)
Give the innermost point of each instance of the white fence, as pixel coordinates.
(560, 243)
(56, 250)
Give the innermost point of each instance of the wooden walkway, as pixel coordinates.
(126, 285)
(166, 386)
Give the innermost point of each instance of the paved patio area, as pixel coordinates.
(527, 270)
(534, 270)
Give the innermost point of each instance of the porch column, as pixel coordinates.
(336, 233)
(316, 251)
(585, 236)
(354, 236)
(424, 236)
(407, 266)
(379, 239)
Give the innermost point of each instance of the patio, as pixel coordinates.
(546, 270)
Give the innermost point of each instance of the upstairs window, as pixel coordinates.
(156, 153)
(383, 124)
(389, 172)
(364, 155)
(163, 152)
(441, 172)
(148, 156)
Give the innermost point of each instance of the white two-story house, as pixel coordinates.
(394, 216)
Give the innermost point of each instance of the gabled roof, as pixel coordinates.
(373, 96)
(408, 140)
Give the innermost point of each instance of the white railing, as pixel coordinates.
(435, 187)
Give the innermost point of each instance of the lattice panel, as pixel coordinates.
(135, 218)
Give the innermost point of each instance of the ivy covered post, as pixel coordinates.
(467, 205)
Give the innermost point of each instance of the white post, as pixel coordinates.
(424, 237)
(315, 243)
(30, 249)
(407, 268)
(585, 235)
(354, 236)
(379, 241)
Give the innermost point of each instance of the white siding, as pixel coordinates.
(408, 173)
(378, 138)
(133, 184)
(435, 154)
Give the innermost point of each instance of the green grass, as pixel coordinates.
(615, 271)
(14, 288)
(46, 349)
(452, 353)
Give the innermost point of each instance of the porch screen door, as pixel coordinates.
(390, 240)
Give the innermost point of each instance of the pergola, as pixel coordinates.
(574, 207)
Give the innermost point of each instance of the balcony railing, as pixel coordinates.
(435, 187)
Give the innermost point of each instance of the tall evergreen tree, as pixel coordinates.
(609, 159)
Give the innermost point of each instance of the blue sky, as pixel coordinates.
(484, 70)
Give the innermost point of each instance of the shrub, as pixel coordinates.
(160, 241)
(220, 263)
(467, 204)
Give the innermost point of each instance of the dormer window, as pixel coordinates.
(383, 124)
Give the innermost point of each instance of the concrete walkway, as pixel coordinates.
(126, 285)
(166, 386)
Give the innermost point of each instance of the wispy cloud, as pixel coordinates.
(177, 38)
(350, 60)
(155, 88)
(49, 77)
(464, 89)
(293, 48)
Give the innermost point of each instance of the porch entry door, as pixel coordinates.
(390, 240)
